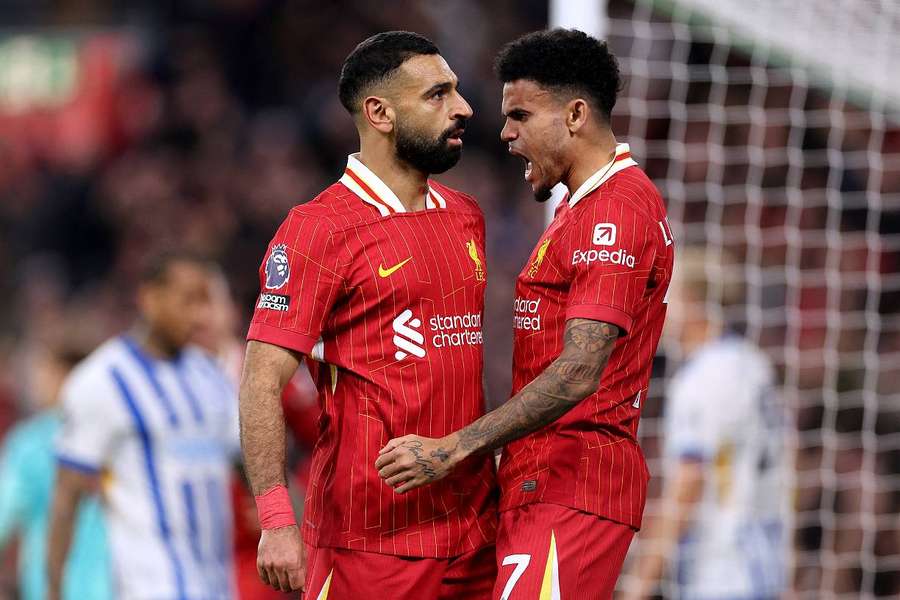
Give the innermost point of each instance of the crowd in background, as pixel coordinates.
(221, 115)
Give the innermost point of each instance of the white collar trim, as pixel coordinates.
(622, 160)
(372, 190)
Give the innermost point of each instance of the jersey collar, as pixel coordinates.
(375, 192)
(622, 160)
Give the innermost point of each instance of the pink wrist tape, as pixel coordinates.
(274, 508)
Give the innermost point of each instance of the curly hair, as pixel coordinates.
(565, 61)
(375, 59)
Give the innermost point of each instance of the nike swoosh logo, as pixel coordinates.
(382, 272)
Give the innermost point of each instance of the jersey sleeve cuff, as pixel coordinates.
(599, 312)
(270, 334)
(77, 464)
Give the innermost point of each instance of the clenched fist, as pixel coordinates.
(281, 559)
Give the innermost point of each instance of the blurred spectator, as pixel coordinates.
(27, 468)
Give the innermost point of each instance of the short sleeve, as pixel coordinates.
(299, 282)
(90, 421)
(611, 250)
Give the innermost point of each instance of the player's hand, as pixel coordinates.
(412, 461)
(281, 559)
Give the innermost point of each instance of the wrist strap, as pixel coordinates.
(274, 508)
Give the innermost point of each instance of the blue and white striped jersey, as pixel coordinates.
(163, 434)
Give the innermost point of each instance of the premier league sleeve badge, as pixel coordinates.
(278, 271)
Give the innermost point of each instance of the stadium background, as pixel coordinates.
(126, 127)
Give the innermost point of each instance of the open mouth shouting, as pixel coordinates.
(528, 164)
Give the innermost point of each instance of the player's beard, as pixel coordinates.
(542, 194)
(425, 154)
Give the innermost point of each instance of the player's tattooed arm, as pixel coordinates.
(411, 461)
(573, 376)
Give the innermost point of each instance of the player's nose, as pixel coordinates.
(508, 133)
(462, 109)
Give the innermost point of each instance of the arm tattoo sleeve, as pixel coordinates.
(573, 376)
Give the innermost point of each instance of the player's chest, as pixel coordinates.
(542, 288)
(546, 275)
(431, 255)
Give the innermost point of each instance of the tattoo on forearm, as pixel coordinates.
(441, 454)
(565, 382)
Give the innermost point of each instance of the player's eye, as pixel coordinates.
(438, 95)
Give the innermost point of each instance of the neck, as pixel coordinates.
(152, 343)
(409, 184)
(590, 157)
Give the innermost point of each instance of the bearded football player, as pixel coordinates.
(378, 283)
(589, 310)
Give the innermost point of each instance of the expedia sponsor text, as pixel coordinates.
(616, 257)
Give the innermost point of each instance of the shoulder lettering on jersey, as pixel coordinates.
(668, 238)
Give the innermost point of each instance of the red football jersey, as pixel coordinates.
(390, 304)
(606, 256)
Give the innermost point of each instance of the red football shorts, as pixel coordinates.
(341, 574)
(550, 552)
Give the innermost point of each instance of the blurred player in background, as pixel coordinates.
(588, 314)
(381, 280)
(152, 419)
(220, 337)
(725, 500)
(27, 469)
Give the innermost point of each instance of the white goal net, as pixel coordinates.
(773, 131)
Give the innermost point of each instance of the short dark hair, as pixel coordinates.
(156, 267)
(375, 59)
(563, 60)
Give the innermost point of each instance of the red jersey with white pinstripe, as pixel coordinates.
(607, 256)
(390, 304)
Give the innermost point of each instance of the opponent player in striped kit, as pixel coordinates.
(379, 283)
(588, 314)
(151, 421)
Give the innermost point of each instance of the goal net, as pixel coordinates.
(773, 131)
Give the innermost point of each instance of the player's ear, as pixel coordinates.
(577, 112)
(379, 114)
